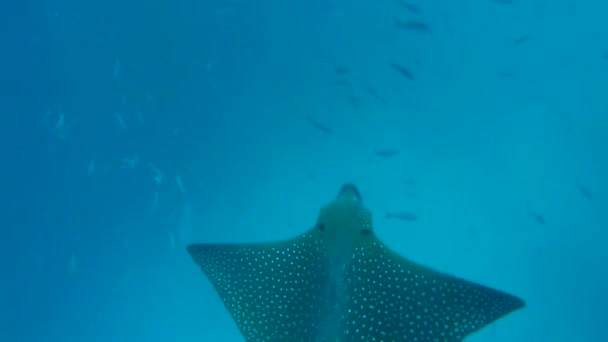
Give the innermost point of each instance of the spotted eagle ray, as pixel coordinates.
(339, 282)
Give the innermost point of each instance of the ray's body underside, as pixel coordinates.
(339, 282)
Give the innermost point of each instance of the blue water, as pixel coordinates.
(130, 129)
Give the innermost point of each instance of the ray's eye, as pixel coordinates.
(366, 232)
(321, 226)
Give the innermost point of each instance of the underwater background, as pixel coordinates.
(133, 128)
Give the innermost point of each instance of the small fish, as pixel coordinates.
(376, 95)
(73, 265)
(403, 71)
(91, 169)
(117, 68)
(354, 101)
(386, 153)
(140, 117)
(121, 122)
(411, 8)
(171, 240)
(585, 192)
(62, 128)
(191, 173)
(129, 163)
(473, 231)
(402, 215)
(35, 39)
(319, 126)
(520, 41)
(338, 281)
(59, 125)
(410, 182)
(413, 25)
(158, 175)
(341, 70)
(180, 184)
(507, 74)
(121, 283)
(536, 216)
(45, 117)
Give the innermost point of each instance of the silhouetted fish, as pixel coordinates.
(536, 216)
(520, 41)
(387, 153)
(339, 282)
(319, 126)
(507, 74)
(410, 182)
(354, 101)
(403, 71)
(403, 215)
(413, 25)
(376, 95)
(341, 70)
(412, 8)
(585, 192)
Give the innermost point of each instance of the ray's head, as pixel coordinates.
(349, 192)
(345, 218)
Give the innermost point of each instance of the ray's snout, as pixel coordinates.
(349, 191)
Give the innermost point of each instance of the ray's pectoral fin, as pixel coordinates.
(419, 303)
(270, 289)
(339, 282)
